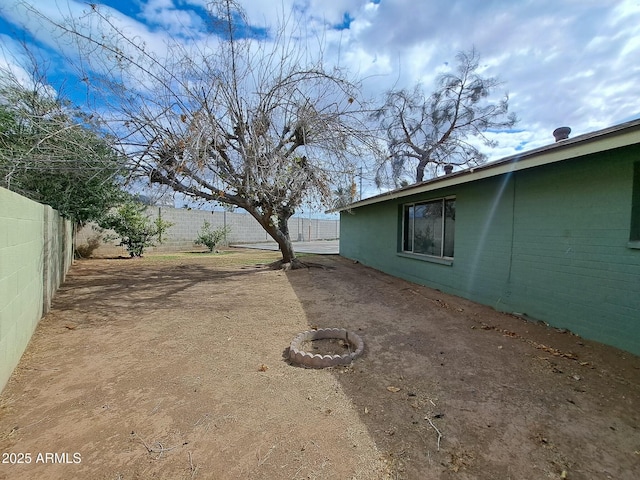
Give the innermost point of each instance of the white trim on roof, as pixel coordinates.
(621, 135)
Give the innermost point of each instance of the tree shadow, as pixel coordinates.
(106, 289)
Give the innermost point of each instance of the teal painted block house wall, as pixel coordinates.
(553, 234)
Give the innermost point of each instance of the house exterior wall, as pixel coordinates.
(551, 242)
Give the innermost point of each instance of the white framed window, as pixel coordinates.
(429, 227)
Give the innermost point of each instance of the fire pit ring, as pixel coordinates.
(311, 360)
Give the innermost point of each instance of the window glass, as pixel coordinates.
(408, 228)
(449, 227)
(429, 227)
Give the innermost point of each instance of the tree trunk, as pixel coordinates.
(286, 248)
(289, 260)
(280, 233)
(420, 169)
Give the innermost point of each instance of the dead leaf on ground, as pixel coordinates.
(393, 389)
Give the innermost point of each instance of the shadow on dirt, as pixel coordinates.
(450, 388)
(137, 285)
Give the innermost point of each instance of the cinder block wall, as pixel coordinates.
(57, 253)
(188, 223)
(36, 251)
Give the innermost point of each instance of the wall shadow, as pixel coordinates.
(449, 387)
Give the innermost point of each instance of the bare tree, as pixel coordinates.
(436, 130)
(252, 122)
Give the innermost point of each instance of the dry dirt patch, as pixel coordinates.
(173, 367)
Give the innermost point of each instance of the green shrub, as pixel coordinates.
(134, 227)
(211, 238)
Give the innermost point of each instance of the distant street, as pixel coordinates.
(321, 247)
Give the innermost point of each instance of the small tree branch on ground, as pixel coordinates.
(193, 469)
(157, 447)
(437, 431)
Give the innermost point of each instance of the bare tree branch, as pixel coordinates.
(253, 122)
(433, 130)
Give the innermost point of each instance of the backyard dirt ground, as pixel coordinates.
(173, 367)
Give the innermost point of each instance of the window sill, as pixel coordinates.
(428, 258)
(634, 244)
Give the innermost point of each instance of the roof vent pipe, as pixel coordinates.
(561, 133)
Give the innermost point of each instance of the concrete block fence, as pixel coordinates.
(188, 223)
(36, 251)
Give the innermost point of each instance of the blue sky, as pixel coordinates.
(569, 62)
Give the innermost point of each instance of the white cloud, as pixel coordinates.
(165, 15)
(572, 63)
(562, 62)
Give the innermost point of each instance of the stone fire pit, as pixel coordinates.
(301, 350)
